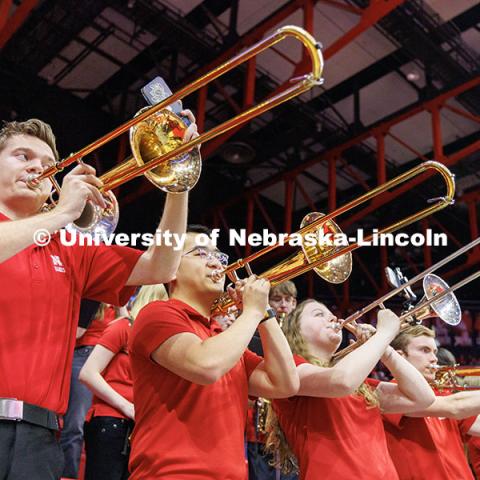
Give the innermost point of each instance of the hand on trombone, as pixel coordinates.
(192, 130)
(251, 295)
(79, 186)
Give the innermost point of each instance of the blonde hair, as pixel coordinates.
(33, 127)
(401, 341)
(147, 294)
(276, 441)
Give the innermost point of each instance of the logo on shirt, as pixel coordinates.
(57, 263)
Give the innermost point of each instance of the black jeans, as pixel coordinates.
(107, 448)
(29, 452)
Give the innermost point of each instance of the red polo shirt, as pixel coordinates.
(428, 447)
(184, 430)
(473, 445)
(117, 374)
(335, 438)
(96, 328)
(40, 294)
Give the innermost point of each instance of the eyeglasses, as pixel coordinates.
(209, 255)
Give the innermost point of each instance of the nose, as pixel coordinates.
(35, 166)
(214, 261)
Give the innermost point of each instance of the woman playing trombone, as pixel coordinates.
(333, 425)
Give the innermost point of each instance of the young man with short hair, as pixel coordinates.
(283, 297)
(192, 380)
(428, 444)
(42, 287)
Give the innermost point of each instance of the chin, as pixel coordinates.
(429, 376)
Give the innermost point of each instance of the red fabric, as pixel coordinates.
(40, 294)
(117, 374)
(335, 438)
(473, 445)
(183, 430)
(96, 329)
(251, 433)
(428, 447)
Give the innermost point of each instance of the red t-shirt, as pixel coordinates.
(428, 447)
(473, 445)
(40, 294)
(96, 329)
(335, 438)
(117, 374)
(184, 430)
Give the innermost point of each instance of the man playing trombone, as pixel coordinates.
(42, 287)
(428, 443)
(191, 380)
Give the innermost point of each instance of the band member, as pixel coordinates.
(94, 318)
(427, 443)
(191, 379)
(283, 299)
(107, 374)
(334, 426)
(42, 287)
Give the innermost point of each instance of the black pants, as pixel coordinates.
(107, 449)
(29, 452)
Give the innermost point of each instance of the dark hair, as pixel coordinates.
(445, 357)
(34, 128)
(196, 228)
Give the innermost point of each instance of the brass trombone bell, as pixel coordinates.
(150, 152)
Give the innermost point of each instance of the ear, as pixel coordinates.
(401, 353)
(294, 303)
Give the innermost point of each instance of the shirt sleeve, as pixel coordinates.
(157, 322)
(115, 336)
(107, 271)
(252, 360)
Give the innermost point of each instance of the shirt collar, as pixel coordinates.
(192, 313)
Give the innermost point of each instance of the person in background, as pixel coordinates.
(91, 328)
(107, 375)
(283, 299)
(428, 443)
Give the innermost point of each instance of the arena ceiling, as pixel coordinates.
(395, 71)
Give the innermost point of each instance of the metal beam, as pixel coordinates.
(372, 131)
(16, 20)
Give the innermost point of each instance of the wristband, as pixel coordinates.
(269, 313)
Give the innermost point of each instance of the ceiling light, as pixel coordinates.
(413, 76)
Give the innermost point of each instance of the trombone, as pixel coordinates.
(154, 146)
(334, 264)
(438, 300)
(446, 377)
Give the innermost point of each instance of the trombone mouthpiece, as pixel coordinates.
(217, 275)
(32, 181)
